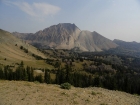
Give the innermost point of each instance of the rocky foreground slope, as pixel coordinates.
(67, 36)
(28, 93)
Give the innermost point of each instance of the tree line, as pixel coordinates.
(122, 81)
(23, 74)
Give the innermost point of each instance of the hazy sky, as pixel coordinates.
(114, 19)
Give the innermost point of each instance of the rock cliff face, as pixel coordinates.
(68, 36)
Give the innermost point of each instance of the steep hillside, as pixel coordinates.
(14, 50)
(68, 36)
(28, 93)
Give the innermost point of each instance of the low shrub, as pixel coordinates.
(93, 93)
(66, 86)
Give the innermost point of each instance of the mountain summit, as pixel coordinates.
(68, 36)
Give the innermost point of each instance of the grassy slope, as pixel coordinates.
(14, 54)
(28, 93)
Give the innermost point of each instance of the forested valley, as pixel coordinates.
(114, 72)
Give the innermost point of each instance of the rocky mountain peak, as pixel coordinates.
(62, 27)
(69, 36)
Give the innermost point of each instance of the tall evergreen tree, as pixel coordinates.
(25, 74)
(47, 78)
(6, 72)
(1, 74)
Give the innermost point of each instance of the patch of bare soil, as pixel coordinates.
(29, 93)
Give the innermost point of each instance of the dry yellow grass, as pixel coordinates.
(10, 52)
(38, 64)
(28, 93)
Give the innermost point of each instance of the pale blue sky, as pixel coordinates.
(114, 19)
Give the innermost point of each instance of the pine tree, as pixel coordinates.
(60, 76)
(68, 70)
(1, 74)
(32, 75)
(25, 75)
(47, 78)
(28, 72)
(9, 74)
(6, 72)
(21, 64)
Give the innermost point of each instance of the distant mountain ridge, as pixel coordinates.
(128, 45)
(67, 36)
